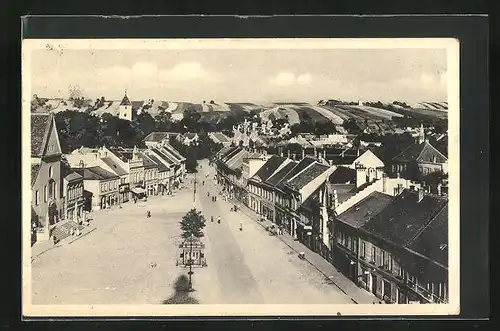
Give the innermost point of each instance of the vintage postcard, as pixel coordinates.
(240, 177)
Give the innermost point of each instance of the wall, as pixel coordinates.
(41, 181)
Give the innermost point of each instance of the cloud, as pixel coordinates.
(286, 79)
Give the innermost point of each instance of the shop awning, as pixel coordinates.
(138, 190)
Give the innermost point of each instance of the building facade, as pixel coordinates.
(47, 201)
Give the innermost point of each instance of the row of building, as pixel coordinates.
(386, 233)
(65, 186)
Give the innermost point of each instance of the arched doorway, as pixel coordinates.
(52, 212)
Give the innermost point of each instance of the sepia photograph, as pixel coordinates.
(240, 177)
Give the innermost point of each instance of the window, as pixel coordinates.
(55, 190)
(363, 249)
(45, 193)
(50, 171)
(373, 254)
(37, 197)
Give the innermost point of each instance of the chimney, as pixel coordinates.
(398, 175)
(288, 151)
(420, 194)
(439, 189)
(384, 183)
(303, 153)
(357, 153)
(324, 154)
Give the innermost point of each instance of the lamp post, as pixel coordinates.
(194, 190)
(190, 262)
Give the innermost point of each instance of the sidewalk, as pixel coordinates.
(357, 294)
(42, 247)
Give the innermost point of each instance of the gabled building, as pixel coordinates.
(419, 159)
(155, 138)
(73, 187)
(396, 247)
(129, 159)
(220, 138)
(163, 173)
(101, 187)
(47, 201)
(150, 174)
(179, 161)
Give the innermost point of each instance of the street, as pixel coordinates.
(111, 265)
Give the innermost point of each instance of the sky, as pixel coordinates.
(257, 75)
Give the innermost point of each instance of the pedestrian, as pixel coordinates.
(241, 226)
(218, 220)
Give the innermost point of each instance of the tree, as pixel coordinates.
(192, 224)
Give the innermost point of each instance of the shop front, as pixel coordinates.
(138, 193)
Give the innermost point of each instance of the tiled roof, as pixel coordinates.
(148, 163)
(221, 137)
(125, 101)
(237, 161)
(304, 163)
(69, 174)
(161, 166)
(116, 167)
(174, 152)
(222, 151)
(156, 136)
(34, 173)
(275, 179)
(423, 152)
(432, 242)
(163, 156)
(122, 154)
(231, 154)
(95, 173)
(344, 191)
(357, 215)
(343, 175)
(269, 167)
(339, 160)
(39, 129)
(401, 220)
(306, 176)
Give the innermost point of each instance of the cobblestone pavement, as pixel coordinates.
(111, 265)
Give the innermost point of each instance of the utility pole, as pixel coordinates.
(194, 191)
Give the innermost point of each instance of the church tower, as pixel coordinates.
(125, 109)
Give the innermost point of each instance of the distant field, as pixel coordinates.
(307, 112)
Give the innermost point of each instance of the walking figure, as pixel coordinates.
(149, 214)
(211, 218)
(218, 220)
(241, 226)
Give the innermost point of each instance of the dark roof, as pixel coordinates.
(69, 174)
(344, 191)
(432, 242)
(174, 152)
(221, 137)
(161, 166)
(148, 163)
(34, 173)
(156, 136)
(116, 168)
(190, 135)
(278, 177)
(357, 215)
(237, 161)
(95, 173)
(122, 154)
(423, 152)
(304, 163)
(162, 155)
(40, 124)
(125, 101)
(163, 152)
(339, 159)
(306, 176)
(269, 167)
(230, 155)
(401, 220)
(343, 175)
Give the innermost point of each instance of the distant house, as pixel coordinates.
(188, 139)
(155, 138)
(220, 138)
(420, 158)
